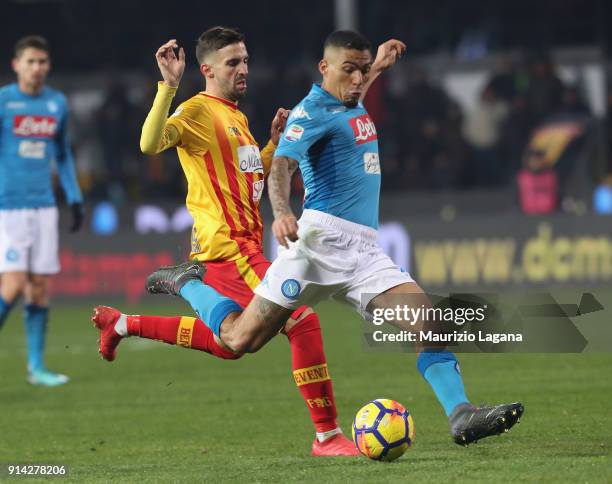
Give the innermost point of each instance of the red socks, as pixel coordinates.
(307, 356)
(178, 330)
(310, 371)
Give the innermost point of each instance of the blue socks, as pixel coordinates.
(35, 318)
(210, 306)
(441, 370)
(5, 309)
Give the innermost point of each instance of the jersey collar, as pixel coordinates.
(227, 102)
(317, 89)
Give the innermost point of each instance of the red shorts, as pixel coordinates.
(238, 278)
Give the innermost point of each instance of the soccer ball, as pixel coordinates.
(383, 430)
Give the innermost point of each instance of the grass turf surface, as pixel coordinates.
(164, 414)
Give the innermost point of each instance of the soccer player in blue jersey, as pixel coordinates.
(332, 251)
(33, 133)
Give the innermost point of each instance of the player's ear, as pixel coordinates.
(206, 70)
(14, 62)
(323, 65)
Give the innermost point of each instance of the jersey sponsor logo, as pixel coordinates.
(258, 187)
(363, 129)
(249, 159)
(312, 374)
(294, 133)
(371, 163)
(35, 126)
(34, 150)
(291, 288)
(299, 113)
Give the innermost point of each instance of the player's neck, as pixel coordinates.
(211, 91)
(31, 89)
(330, 91)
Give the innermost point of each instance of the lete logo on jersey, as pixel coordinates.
(34, 126)
(294, 133)
(363, 129)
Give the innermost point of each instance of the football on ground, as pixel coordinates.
(383, 430)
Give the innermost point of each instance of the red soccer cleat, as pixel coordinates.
(338, 445)
(105, 318)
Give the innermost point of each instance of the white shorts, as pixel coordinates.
(332, 258)
(29, 240)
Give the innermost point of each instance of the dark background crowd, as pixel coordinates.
(103, 58)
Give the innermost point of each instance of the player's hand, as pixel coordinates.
(285, 228)
(171, 66)
(387, 54)
(78, 215)
(278, 124)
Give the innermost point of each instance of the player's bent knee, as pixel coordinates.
(243, 343)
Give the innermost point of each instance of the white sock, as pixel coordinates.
(323, 436)
(121, 325)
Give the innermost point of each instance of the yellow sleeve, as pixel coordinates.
(266, 156)
(157, 134)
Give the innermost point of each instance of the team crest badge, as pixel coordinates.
(291, 288)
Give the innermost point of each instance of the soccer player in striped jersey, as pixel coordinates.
(33, 135)
(225, 171)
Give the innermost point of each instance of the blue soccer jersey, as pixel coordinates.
(33, 132)
(337, 151)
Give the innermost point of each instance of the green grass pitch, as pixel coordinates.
(164, 414)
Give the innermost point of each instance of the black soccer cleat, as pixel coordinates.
(170, 279)
(469, 424)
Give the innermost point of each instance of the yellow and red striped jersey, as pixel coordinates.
(224, 169)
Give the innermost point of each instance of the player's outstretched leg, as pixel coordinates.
(175, 330)
(304, 334)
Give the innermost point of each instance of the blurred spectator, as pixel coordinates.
(482, 130)
(545, 90)
(538, 185)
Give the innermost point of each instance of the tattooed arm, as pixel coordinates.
(279, 188)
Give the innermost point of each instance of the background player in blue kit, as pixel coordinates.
(333, 251)
(33, 134)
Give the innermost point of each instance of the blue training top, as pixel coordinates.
(33, 132)
(337, 151)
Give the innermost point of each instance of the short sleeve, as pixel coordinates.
(304, 128)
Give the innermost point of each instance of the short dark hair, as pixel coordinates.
(347, 39)
(31, 41)
(216, 38)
